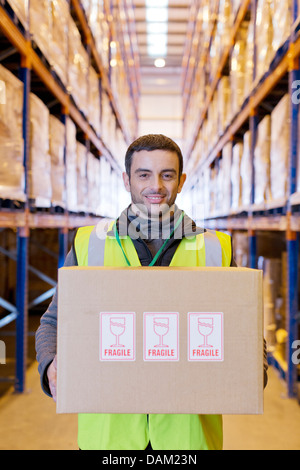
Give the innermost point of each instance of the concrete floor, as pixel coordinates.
(29, 422)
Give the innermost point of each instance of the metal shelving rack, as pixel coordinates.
(22, 221)
(284, 216)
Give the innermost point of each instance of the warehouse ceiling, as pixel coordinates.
(161, 27)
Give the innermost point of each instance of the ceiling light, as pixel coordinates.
(157, 28)
(157, 50)
(156, 3)
(155, 15)
(160, 63)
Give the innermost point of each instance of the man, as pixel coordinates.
(152, 231)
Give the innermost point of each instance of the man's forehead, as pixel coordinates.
(155, 158)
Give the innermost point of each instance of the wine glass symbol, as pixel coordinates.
(117, 328)
(161, 328)
(205, 328)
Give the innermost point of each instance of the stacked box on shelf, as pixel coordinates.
(78, 69)
(273, 26)
(105, 188)
(249, 58)
(221, 37)
(39, 172)
(20, 7)
(99, 25)
(60, 16)
(93, 176)
(280, 147)
(12, 175)
(271, 284)
(212, 123)
(236, 180)
(226, 178)
(82, 188)
(281, 11)
(264, 36)
(238, 70)
(94, 101)
(246, 171)
(71, 166)
(40, 25)
(262, 161)
(108, 123)
(223, 92)
(57, 150)
(49, 22)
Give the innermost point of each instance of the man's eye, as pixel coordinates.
(168, 176)
(144, 175)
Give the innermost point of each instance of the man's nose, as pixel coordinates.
(157, 182)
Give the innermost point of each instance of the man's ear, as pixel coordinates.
(181, 182)
(126, 182)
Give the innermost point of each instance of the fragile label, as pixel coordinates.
(117, 336)
(161, 336)
(205, 336)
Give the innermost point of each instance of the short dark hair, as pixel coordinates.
(152, 142)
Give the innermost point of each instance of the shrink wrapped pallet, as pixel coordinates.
(223, 104)
(280, 146)
(40, 25)
(93, 175)
(71, 166)
(206, 191)
(39, 173)
(249, 57)
(281, 11)
(271, 286)
(82, 188)
(20, 7)
(236, 180)
(224, 24)
(246, 170)
(57, 150)
(12, 176)
(238, 71)
(105, 187)
(264, 38)
(100, 29)
(262, 161)
(226, 177)
(60, 16)
(78, 68)
(94, 101)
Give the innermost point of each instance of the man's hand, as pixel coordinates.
(52, 377)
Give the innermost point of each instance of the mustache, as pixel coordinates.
(154, 193)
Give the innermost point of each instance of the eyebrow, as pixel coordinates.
(167, 170)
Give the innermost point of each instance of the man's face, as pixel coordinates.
(154, 180)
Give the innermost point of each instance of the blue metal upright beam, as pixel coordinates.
(252, 237)
(21, 303)
(292, 237)
(22, 247)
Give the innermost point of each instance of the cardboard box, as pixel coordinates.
(160, 340)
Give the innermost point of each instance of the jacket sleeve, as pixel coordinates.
(46, 335)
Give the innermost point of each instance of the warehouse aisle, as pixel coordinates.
(29, 422)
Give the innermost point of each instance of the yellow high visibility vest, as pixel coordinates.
(134, 431)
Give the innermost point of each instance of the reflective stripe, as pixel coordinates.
(213, 249)
(96, 249)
